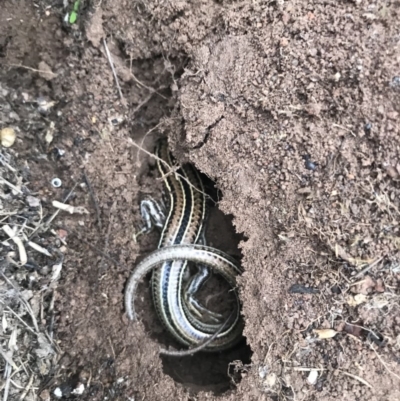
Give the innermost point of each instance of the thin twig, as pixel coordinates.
(368, 268)
(4, 163)
(93, 196)
(12, 186)
(384, 363)
(27, 306)
(171, 169)
(23, 322)
(32, 69)
(146, 100)
(148, 87)
(360, 379)
(54, 215)
(51, 310)
(8, 359)
(141, 83)
(144, 137)
(113, 71)
(27, 388)
(8, 380)
(304, 369)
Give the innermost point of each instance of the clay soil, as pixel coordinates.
(292, 109)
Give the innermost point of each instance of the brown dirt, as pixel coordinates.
(292, 108)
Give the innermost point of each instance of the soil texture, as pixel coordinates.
(292, 109)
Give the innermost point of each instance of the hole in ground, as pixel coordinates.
(203, 371)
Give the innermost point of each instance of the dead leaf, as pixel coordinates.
(356, 300)
(325, 333)
(366, 286)
(45, 349)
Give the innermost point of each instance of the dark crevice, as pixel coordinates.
(208, 132)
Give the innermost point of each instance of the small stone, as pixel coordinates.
(270, 380)
(367, 128)
(45, 395)
(7, 137)
(79, 389)
(313, 52)
(44, 271)
(310, 165)
(32, 201)
(392, 172)
(14, 116)
(283, 42)
(312, 377)
(45, 71)
(395, 83)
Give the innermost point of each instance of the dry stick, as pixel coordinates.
(142, 84)
(12, 186)
(51, 310)
(360, 379)
(114, 72)
(171, 170)
(28, 386)
(27, 306)
(144, 137)
(92, 195)
(31, 69)
(4, 163)
(383, 363)
(7, 385)
(146, 99)
(54, 215)
(200, 347)
(8, 359)
(368, 268)
(23, 322)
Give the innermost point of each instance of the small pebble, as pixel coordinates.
(395, 82)
(312, 377)
(310, 165)
(7, 137)
(367, 128)
(79, 389)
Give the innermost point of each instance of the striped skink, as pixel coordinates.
(182, 241)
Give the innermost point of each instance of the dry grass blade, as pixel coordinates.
(8, 359)
(27, 388)
(360, 379)
(39, 248)
(171, 169)
(21, 249)
(12, 186)
(114, 72)
(368, 268)
(384, 363)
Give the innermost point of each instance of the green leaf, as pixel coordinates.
(73, 17)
